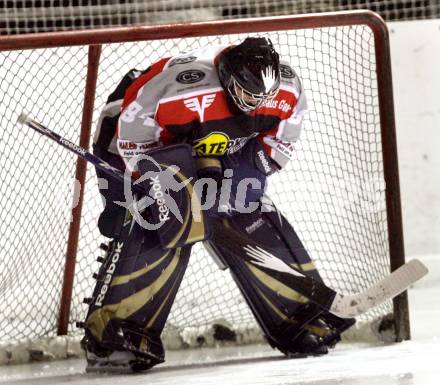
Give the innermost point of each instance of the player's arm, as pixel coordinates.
(138, 131)
(278, 143)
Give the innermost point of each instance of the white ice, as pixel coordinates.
(415, 362)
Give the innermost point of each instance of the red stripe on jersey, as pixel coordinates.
(204, 107)
(281, 106)
(132, 91)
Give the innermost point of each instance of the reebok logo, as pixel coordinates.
(158, 196)
(109, 274)
(73, 146)
(254, 226)
(264, 162)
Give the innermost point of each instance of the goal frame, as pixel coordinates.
(94, 39)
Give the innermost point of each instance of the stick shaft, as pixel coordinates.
(81, 152)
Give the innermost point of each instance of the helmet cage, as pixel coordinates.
(247, 101)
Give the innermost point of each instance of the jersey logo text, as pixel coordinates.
(286, 72)
(218, 143)
(285, 148)
(182, 60)
(190, 76)
(128, 148)
(215, 143)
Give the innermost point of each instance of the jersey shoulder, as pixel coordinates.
(189, 73)
(290, 79)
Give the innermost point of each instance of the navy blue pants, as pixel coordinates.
(243, 166)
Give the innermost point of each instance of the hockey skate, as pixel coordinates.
(117, 362)
(118, 357)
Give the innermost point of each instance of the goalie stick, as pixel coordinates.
(81, 152)
(345, 306)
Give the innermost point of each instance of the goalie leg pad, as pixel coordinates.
(136, 287)
(112, 190)
(290, 322)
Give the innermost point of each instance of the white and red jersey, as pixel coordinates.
(180, 99)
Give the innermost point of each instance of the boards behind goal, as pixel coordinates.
(340, 192)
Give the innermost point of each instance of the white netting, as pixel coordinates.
(332, 192)
(54, 15)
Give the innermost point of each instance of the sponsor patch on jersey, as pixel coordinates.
(216, 143)
(285, 148)
(128, 149)
(286, 72)
(282, 104)
(190, 76)
(182, 60)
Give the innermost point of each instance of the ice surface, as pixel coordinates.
(413, 362)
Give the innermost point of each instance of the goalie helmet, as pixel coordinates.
(250, 73)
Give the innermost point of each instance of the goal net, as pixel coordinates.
(340, 192)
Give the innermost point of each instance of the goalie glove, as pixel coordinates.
(261, 160)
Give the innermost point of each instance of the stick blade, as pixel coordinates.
(389, 287)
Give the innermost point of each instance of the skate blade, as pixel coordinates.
(109, 368)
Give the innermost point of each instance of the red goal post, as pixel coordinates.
(384, 152)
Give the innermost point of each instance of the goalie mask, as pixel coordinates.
(250, 73)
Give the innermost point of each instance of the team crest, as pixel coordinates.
(195, 105)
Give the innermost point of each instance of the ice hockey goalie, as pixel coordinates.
(227, 116)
